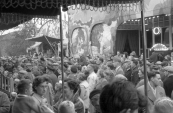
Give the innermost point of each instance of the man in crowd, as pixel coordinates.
(168, 82)
(155, 91)
(4, 103)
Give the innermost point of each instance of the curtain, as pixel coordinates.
(133, 36)
(121, 37)
(120, 41)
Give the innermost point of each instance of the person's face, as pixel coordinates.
(124, 56)
(140, 73)
(89, 68)
(166, 73)
(29, 90)
(116, 64)
(67, 91)
(20, 68)
(118, 53)
(155, 70)
(155, 81)
(95, 102)
(42, 88)
(159, 77)
(107, 77)
(58, 87)
(132, 64)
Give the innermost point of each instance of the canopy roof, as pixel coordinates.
(49, 7)
(35, 45)
(159, 47)
(44, 39)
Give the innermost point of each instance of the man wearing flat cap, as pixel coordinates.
(168, 82)
(117, 65)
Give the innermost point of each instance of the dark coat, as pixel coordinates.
(134, 76)
(4, 103)
(168, 85)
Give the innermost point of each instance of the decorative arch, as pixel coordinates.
(79, 42)
(100, 41)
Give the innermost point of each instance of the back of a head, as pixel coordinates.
(66, 107)
(163, 105)
(119, 96)
(74, 69)
(120, 77)
(23, 85)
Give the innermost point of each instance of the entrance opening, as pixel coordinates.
(127, 47)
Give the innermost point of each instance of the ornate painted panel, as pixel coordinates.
(79, 42)
(101, 39)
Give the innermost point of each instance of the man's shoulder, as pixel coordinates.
(160, 88)
(141, 88)
(2, 93)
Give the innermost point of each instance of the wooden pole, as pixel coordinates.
(62, 56)
(144, 49)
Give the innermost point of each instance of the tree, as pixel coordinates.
(19, 44)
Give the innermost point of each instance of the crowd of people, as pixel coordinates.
(100, 84)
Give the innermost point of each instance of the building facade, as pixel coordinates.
(101, 32)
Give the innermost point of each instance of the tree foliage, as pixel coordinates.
(19, 44)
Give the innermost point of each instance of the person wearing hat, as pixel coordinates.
(22, 74)
(117, 65)
(168, 82)
(154, 68)
(134, 75)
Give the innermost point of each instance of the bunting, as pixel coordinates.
(78, 4)
(12, 11)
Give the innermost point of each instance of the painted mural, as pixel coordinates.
(79, 42)
(101, 39)
(101, 26)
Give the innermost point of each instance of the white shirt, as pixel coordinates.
(85, 93)
(92, 81)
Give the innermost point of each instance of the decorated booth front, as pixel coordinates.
(94, 30)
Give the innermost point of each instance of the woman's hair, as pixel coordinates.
(163, 105)
(73, 85)
(118, 96)
(101, 73)
(39, 80)
(108, 73)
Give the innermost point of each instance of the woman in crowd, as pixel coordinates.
(101, 81)
(71, 93)
(40, 85)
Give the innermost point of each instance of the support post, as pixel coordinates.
(153, 36)
(170, 32)
(144, 49)
(62, 56)
(161, 41)
(139, 42)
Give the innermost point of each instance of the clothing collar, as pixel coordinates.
(153, 90)
(22, 95)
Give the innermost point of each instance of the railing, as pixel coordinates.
(6, 84)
